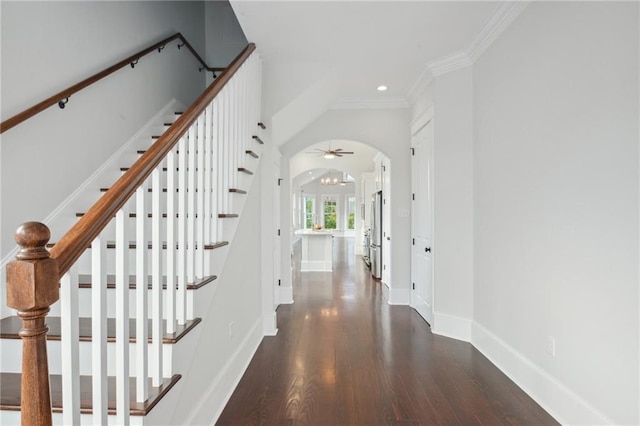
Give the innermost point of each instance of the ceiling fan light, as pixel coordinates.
(329, 155)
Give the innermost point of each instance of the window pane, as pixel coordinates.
(330, 209)
(351, 212)
(308, 212)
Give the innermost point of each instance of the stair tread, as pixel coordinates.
(245, 170)
(237, 191)
(257, 139)
(11, 326)
(10, 392)
(251, 153)
(227, 215)
(84, 281)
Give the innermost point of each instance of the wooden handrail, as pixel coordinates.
(69, 248)
(66, 93)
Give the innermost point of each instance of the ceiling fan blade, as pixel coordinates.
(344, 152)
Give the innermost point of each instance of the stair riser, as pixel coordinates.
(84, 263)
(12, 363)
(85, 311)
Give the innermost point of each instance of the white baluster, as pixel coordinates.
(142, 366)
(70, 349)
(215, 171)
(122, 317)
(200, 219)
(156, 277)
(99, 330)
(172, 241)
(223, 161)
(191, 204)
(208, 192)
(233, 140)
(181, 296)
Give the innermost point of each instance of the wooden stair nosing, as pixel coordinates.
(257, 139)
(245, 170)
(261, 125)
(227, 215)
(251, 153)
(10, 394)
(237, 191)
(84, 281)
(132, 245)
(11, 326)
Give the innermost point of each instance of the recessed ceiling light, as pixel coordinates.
(382, 88)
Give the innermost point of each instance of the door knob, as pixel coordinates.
(427, 249)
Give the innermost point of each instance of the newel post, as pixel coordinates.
(32, 286)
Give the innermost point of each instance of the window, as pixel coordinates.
(330, 213)
(351, 212)
(309, 211)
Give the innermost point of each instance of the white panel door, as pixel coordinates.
(422, 222)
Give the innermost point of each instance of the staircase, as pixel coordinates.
(134, 275)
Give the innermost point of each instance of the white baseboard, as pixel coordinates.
(451, 326)
(269, 324)
(286, 295)
(399, 296)
(217, 395)
(558, 400)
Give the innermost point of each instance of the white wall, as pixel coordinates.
(219, 358)
(453, 204)
(387, 130)
(556, 133)
(46, 47)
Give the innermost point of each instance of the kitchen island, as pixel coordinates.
(317, 250)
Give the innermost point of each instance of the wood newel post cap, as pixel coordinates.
(32, 279)
(32, 237)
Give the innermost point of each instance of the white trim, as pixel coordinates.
(286, 295)
(370, 103)
(556, 398)
(269, 324)
(450, 63)
(110, 164)
(420, 122)
(504, 16)
(215, 398)
(451, 326)
(399, 296)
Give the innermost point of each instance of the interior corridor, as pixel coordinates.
(344, 356)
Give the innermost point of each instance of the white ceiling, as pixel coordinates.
(366, 43)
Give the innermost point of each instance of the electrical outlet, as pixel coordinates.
(231, 330)
(551, 346)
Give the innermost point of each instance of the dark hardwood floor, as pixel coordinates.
(343, 356)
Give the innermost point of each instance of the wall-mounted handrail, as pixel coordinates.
(66, 93)
(69, 248)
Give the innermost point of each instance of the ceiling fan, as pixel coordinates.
(331, 153)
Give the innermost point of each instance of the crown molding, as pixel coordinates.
(504, 16)
(449, 63)
(370, 103)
